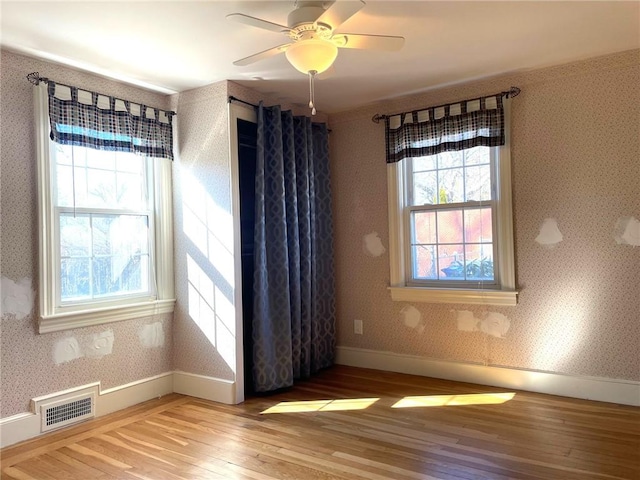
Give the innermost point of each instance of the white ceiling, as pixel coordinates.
(172, 46)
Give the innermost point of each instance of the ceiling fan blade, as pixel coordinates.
(261, 56)
(339, 12)
(257, 22)
(369, 42)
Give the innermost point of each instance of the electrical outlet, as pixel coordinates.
(357, 327)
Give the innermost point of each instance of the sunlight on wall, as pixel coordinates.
(454, 400)
(565, 326)
(210, 268)
(322, 405)
(211, 311)
(209, 227)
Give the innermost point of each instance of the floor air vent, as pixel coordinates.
(66, 412)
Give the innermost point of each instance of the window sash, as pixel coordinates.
(410, 279)
(107, 299)
(81, 171)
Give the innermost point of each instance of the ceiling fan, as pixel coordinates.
(313, 42)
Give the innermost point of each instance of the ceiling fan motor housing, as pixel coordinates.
(308, 12)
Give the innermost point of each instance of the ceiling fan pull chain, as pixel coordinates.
(312, 99)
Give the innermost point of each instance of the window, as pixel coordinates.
(450, 215)
(105, 215)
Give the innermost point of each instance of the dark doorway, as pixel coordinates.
(247, 136)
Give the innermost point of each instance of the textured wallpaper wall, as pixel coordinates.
(575, 159)
(204, 319)
(31, 363)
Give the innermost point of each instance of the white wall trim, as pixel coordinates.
(201, 386)
(24, 426)
(99, 316)
(237, 112)
(454, 295)
(590, 388)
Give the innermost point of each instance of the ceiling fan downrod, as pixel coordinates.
(312, 99)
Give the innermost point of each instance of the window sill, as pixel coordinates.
(88, 318)
(444, 295)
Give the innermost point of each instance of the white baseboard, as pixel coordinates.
(24, 426)
(209, 388)
(590, 388)
(18, 428)
(116, 398)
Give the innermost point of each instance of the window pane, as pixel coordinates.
(101, 188)
(450, 226)
(100, 185)
(120, 235)
(424, 227)
(120, 275)
(80, 182)
(425, 186)
(121, 245)
(70, 155)
(64, 186)
(451, 186)
(450, 159)
(451, 262)
(63, 154)
(101, 159)
(479, 262)
(477, 156)
(424, 262)
(424, 163)
(129, 162)
(477, 225)
(478, 183)
(75, 279)
(129, 191)
(75, 235)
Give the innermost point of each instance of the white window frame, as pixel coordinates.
(54, 317)
(401, 288)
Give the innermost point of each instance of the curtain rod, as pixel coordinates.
(512, 92)
(35, 79)
(236, 99)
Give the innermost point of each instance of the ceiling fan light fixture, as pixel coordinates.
(313, 54)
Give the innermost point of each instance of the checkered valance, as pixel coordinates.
(457, 126)
(106, 123)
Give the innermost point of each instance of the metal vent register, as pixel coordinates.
(67, 411)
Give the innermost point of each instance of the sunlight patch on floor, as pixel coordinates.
(322, 405)
(451, 400)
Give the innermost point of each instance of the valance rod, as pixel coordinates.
(35, 79)
(512, 92)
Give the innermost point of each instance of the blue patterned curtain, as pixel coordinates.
(294, 305)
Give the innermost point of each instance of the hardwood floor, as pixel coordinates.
(450, 431)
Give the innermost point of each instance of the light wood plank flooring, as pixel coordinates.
(346, 423)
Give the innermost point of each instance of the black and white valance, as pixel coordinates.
(89, 119)
(456, 126)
